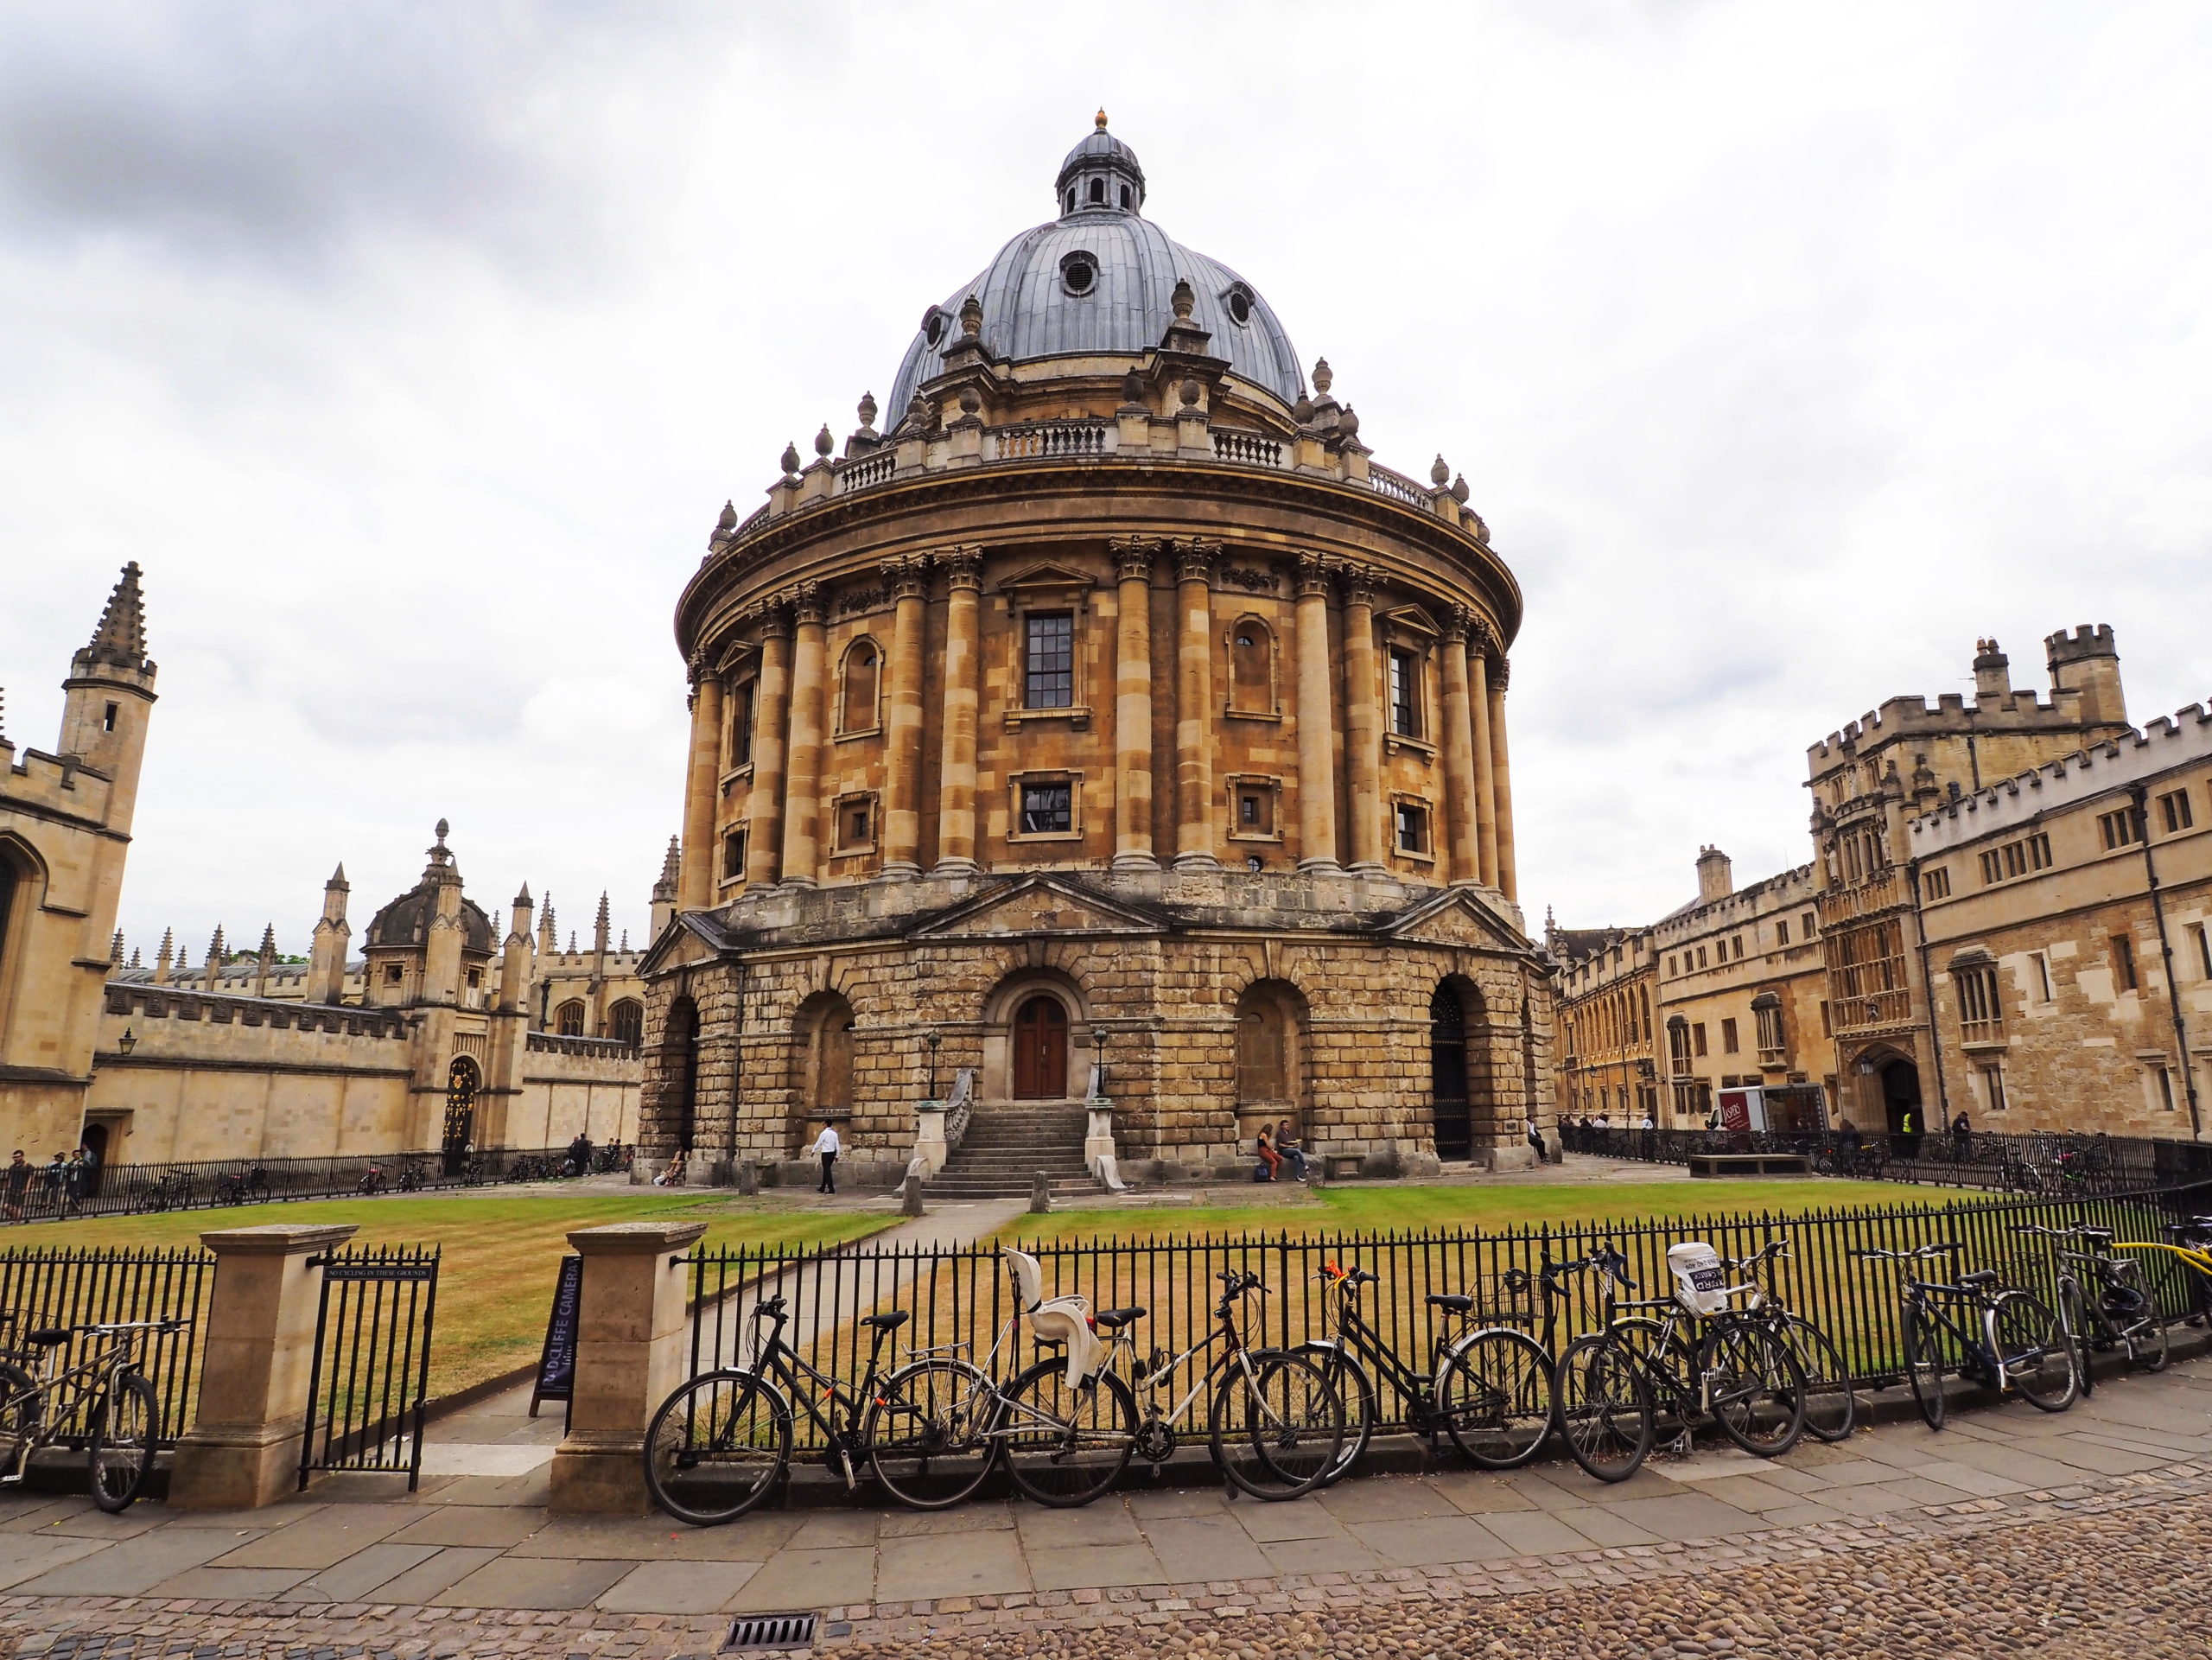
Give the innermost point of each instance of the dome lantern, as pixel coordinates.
(1101, 175)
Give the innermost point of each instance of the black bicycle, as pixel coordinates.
(720, 1445)
(2000, 1337)
(1831, 1406)
(250, 1188)
(1487, 1385)
(174, 1191)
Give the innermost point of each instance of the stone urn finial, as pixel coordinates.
(972, 317)
(868, 409)
(790, 459)
(1322, 376)
(824, 443)
(1440, 473)
(1184, 300)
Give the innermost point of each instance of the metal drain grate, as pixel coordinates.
(758, 1632)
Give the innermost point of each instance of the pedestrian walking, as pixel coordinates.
(827, 1146)
(15, 1186)
(1962, 1138)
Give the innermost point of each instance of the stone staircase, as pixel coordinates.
(1006, 1146)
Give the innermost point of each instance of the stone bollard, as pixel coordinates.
(630, 1350)
(243, 1449)
(910, 1192)
(1040, 1194)
(748, 1177)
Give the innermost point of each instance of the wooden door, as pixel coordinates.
(1041, 1050)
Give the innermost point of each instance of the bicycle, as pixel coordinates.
(1739, 1374)
(251, 1188)
(2014, 1344)
(1487, 1387)
(171, 1191)
(2102, 1302)
(1831, 1408)
(372, 1181)
(122, 1413)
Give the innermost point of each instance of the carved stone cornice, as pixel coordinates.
(964, 567)
(1196, 559)
(808, 604)
(1133, 556)
(1315, 571)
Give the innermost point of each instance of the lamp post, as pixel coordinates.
(1098, 1045)
(931, 1038)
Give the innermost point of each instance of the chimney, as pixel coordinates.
(2088, 662)
(1993, 678)
(1715, 879)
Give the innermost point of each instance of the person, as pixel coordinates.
(1909, 1132)
(578, 1159)
(1962, 1138)
(1270, 1160)
(827, 1146)
(15, 1186)
(673, 1176)
(1536, 1137)
(77, 1178)
(1287, 1144)
(51, 1179)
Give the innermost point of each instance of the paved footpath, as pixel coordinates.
(2080, 1534)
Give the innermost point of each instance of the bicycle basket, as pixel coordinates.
(1700, 1282)
(1504, 1299)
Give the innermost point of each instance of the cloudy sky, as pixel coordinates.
(413, 348)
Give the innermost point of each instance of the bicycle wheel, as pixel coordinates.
(716, 1447)
(1066, 1447)
(21, 1410)
(928, 1434)
(1831, 1408)
(1923, 1364)
(1356, 1390)
(1276, 1424)
(2149, 1344)
(119, 1451)
(1494, 1393)
(1603, 1403)
(2033, 1352)
(1753, 1387)
(2073, 1310)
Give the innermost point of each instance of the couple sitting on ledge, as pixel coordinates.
(1277, 1148)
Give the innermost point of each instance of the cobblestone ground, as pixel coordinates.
(2116, 1569)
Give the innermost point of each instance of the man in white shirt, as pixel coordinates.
(828, 1146)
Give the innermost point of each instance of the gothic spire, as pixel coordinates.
(120, 638)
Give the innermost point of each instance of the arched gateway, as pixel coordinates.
(1099, 707)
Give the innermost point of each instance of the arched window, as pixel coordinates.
(626, 1021)
(1070, 209)
(1125, 195)
(1251, 667)
(862, 670)
(568, 1019)
(1098, 192)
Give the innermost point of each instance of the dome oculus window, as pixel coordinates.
(1239, 304)
(1080, 272)
(934, 325)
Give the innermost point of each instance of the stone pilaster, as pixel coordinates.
(702, 788)
(1194, 823)
(1481, 644)
(956, 831)
(1458, 752)
(772, 692)
(1363, 719)
(803, 785)
(1502, 780)
(1133, 560)
(907, 579)
(1316, 784)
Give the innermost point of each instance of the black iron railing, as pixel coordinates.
(371, 1373)
(76, 1288)
(2051, 1164)
(48, 1194)
(963, 1297)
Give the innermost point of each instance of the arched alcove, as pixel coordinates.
(822, 1030)
(679, 1069)
(1251, 667)
(1270, 1057)
(860, 675)
(1461, 1067)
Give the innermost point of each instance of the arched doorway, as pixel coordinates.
(1040, 1049)
(825, 1035)
(1900, 1083)
(1448, 1072)
(462, 1083)
(680, 1071)
(1270, 1069)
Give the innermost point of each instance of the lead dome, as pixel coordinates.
(1100, 280)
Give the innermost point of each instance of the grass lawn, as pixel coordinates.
(495, 1282)
(1377, 1209)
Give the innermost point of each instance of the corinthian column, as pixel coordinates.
(1133, 559)
(902, 815)
(1460, 750)
(1317, 783)
(1194, 840)
(701, 787)
(764, 830)
(1483, 643)
(1502, 780)
(1363, 719)
(802, 780)
(956, 823)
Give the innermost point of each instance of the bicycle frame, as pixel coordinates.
(1670, 1363)
(1938, 1298)
(83, 1385)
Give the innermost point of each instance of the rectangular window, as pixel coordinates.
(733, 855)
(1255, 809)
(1772, 1040)
(1782, 931)
(1805, 928)
(1728, 1045)
(1990, 1075)
(1700, 956)
(2123, 963)
(2119, 829)
(2203, 935)
(1413, 828)
(2163, 1081)
(392, 974)
(1697, 1038)
(2042, 976)
(1737, 947)
(741, 726)
(108, 724)
(1049, 662)
(1982, 1014)
(2173, 809)
(1047, 808)
(855, 824)
(1827, 1025)
(1936, 883)
(1673, 965)
(1405, 694)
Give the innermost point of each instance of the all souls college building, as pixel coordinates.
(1108, 726)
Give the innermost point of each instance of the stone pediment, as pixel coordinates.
(1048, 577)
(682, 944)
(1037, 905)
(1413, 620)
(1457, 918)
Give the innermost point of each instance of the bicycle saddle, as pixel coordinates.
(1979, 1276)
(1113, 1319)
(1452, 1300)
(50, 1337)
(890, 1322)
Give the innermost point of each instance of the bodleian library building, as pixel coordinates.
(1103, 744)
(2005, 915)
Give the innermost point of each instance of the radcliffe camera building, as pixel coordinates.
(1105, 722)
